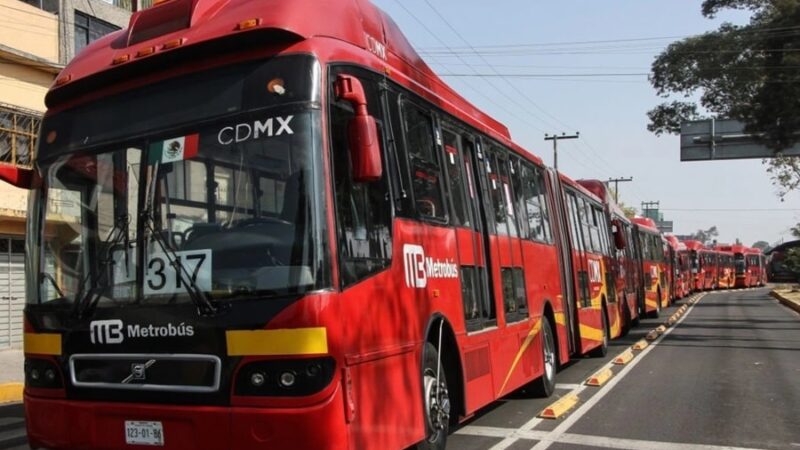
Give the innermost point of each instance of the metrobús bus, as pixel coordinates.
(755, 267)
(680, 271)
(696, 251)
(264, 224)
(650, 246)
(725, 267)
(626, 267)
(746, 265)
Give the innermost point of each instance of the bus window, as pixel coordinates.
(424, 163)
(457, 181)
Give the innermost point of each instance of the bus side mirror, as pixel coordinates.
(18, 176)
(362, 131)
(619, 238)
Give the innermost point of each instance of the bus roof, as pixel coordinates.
(694, 245)
(600, 190)
(645, 222)
(199, 28)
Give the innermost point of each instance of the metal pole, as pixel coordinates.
(616, 182)
(555, 139)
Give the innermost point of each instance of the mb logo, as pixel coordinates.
(414, 263)
(106, 331)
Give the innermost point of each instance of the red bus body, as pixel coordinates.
(373, 331)
(726, 267)
(681, 269)
(627, 268)
(651, 248)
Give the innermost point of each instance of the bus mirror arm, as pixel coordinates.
(19, 176)
(619, 238)
(362, 131)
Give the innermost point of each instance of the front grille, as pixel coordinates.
(149, 372)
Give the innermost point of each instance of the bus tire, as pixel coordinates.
(546, 384)
(435, 402)
(602, 350)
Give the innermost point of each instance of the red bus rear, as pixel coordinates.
(650, 246)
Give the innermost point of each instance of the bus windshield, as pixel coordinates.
(740, 263)
(231, 209)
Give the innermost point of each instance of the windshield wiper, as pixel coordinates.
(205, 307)
(85, 301)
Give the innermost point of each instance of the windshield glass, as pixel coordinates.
(740, 263)
(231, 209)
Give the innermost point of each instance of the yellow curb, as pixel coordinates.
(652, 336)
(559, 407)
(624, 357)
(10, 392)
(661, 329)
(641, 345)
(600, 377)
(784, 300)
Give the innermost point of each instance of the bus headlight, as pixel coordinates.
(42, 373)
(285, 377)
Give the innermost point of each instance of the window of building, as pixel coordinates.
(17, 136)
(88, 29)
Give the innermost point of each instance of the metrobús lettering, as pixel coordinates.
(440, 269)
(169, 330)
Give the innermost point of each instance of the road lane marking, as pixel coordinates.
(587, 406)
(568, 386)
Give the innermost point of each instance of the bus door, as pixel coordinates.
(565, 259)
(470, 222)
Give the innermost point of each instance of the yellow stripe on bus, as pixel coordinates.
(560, 319)
(42, 343)
(294, 341)
(591, 333)
(651, 303)
(528, 339)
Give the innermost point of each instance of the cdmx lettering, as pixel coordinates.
(274, 126)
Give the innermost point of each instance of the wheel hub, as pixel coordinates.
(437, 404)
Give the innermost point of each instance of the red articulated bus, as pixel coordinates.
(650, 246)
(725, 266)
(755, 267)
(268, 224)
(681, 268)
(626, 268)
(746, 265)
(697, 258)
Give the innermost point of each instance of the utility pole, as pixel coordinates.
(616, 182)
(555, 138)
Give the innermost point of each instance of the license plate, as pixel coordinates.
(144, 433)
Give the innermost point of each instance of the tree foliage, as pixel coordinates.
(707, 237)
(761, 245)
(750, 73)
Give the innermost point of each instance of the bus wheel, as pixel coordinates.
(601, 351)
(436, 402)
(546, 384)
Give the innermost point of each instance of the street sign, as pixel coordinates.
(664, 226)
(705, 140)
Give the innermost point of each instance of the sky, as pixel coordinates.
(565, 46)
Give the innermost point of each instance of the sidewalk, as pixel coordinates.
(11, 375)
(790, 297)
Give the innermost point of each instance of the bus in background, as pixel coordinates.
(763, 261)
(681, 268)
(746, 265)
(696, 250)
(624, 263)
(725, 267)
(302, 239)
(755, 268)
(655, 285)
(711, 265)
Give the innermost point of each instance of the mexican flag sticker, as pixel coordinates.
(175, 149)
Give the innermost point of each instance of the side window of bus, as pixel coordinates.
(454, 166)
(574, 223)
(533, 204)
(363, 210)
(426, 174)
(500, 187)
(542, 189)
(519, 179)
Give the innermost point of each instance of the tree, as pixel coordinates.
(748, 72)
(707, 237)
(761, 245)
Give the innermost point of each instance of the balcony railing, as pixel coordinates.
(18, 134)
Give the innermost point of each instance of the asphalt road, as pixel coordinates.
(726, 376)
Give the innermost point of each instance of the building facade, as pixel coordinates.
(37, 38)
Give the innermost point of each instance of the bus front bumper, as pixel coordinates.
(85, 425)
